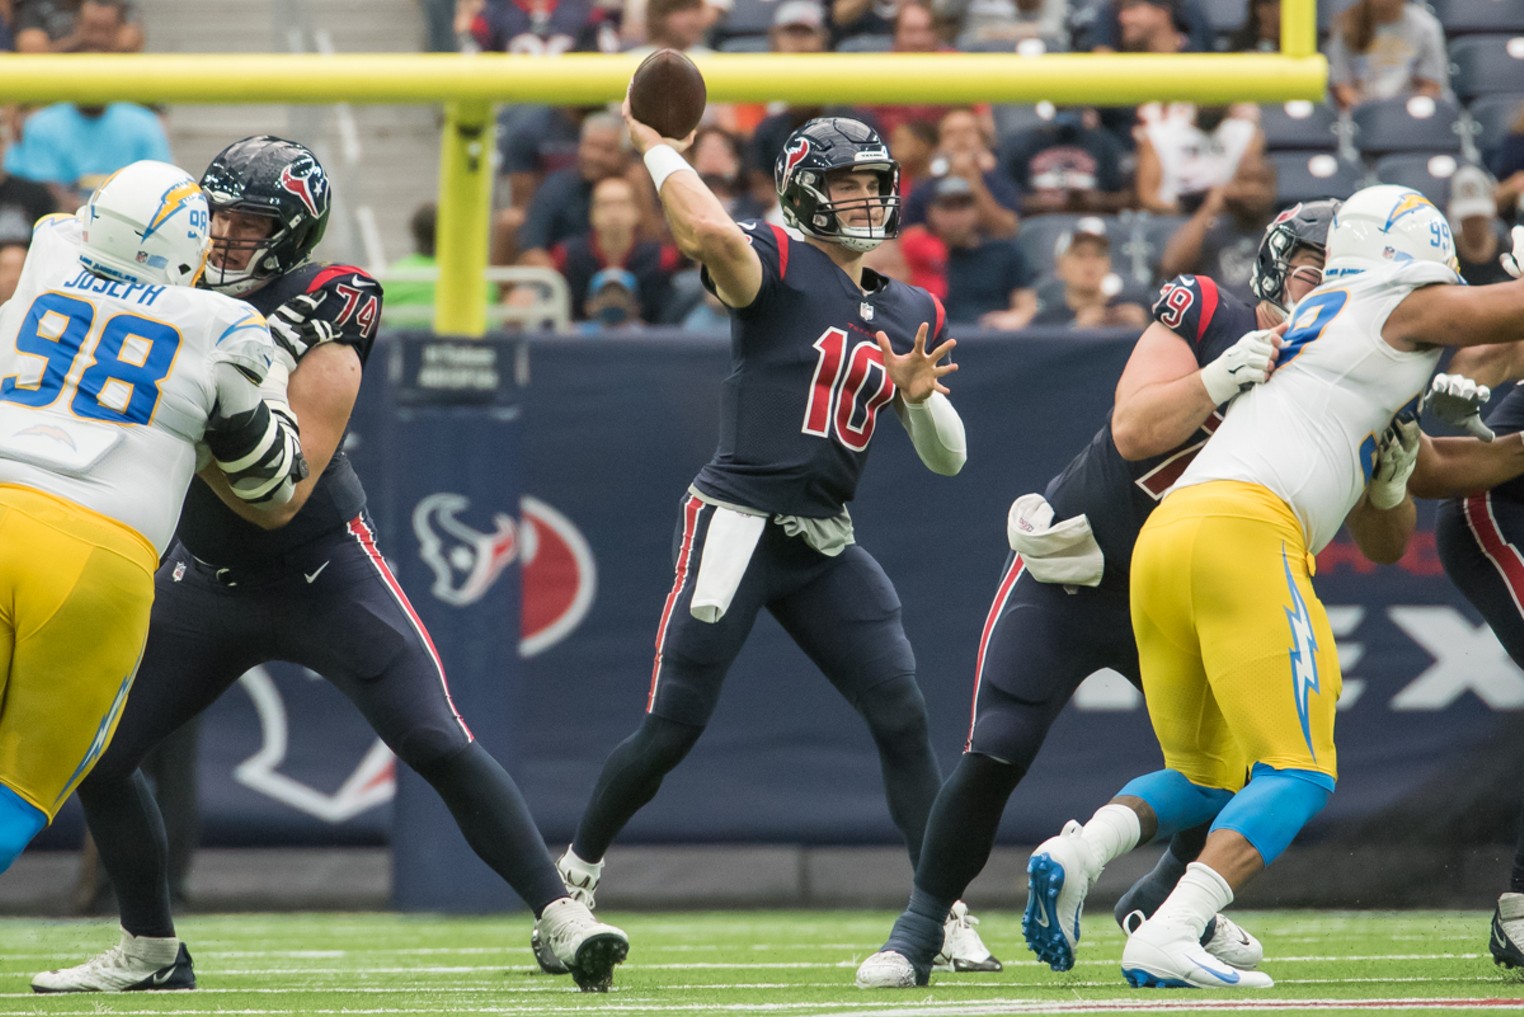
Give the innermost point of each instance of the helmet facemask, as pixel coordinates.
(824, 219)
(259, 268)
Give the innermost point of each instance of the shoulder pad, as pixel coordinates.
(245, 343)
(1186, 304)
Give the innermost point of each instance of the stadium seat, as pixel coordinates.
(1226, 16)
(1428, 174)
(1416, 124)
(865, 44)
(1039, 233)
(1154, 232)
(1486, 65)
(1492, 116)
(1468, 17)
(745, 44)
(1013, 118)
(1301, 124)
(1308, 176)
(747, 17)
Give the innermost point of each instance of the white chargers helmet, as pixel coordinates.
(147, 223)
(1387, 225)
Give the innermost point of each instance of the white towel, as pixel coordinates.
(728, 546)
(1064, 553)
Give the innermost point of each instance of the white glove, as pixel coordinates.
(1242, 366)
(1512, 260)
(1458, 401)
(1396, 455)
(295, 327)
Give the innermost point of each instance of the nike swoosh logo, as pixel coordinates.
(1230, 977)
(747, 225)
(312, 576)
(160, 977)
(1498, 937)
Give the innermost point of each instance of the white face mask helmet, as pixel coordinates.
(1387, 225)
(149, 224)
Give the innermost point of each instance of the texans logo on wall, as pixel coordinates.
(559, 576)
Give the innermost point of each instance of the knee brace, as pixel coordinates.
(1274, 806)
(1178, 804)
(19, 823)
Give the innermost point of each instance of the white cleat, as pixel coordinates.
(1160, 956)
(1507, 940)
(1060, 874)
(962, 949)
(889, 969)
(586, 947)
(136, 964)
(1232, 944)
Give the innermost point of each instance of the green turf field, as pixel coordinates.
(786, 963)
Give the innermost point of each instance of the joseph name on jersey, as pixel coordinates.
(1309, 433)
(105, 387)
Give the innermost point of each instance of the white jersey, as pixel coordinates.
(1309, 434)
(105, 387)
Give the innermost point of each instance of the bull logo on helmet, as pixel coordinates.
(793, 156)
(308, 183)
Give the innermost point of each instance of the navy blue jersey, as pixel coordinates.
(1508, 418)
(807, 379)
(544, 27)
(1116, 494)
(215, 533)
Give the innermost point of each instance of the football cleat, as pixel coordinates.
(1170, 956)
(890, 969)
(580, 878)
(1230, 944)
(549, 962)
(1058, 878)
(962, 949)
(136, 964)
(1507, 943)
(586, 947)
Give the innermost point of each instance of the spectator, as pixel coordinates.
(1386, 49)
(22, 203)
(424, 226)
(74, 148)
(980, 278)
(1150, 26)
(12, 255)
(1221, 239)
(543, 29)
(866, 17)
(914, 144)
(534, 141)
(1479, 235)
(612, 301)
(77, 26)
(1070, 164)
(716, 156)
(1505, 159)
(7, 27)
(560, 207)
(798, 27)
(1184, 152)
(963, 150)
(1261, 30)
(675, 24)
(986, 21)
(613, 243)
(1084, 292)
(914, 32)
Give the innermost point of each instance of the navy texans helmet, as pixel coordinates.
(1304, 224)
(275, 178)
(815, 150)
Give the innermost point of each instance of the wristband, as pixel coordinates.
(662, 161)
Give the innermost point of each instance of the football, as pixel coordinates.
(668, 93)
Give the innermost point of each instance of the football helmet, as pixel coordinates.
(1304, 224)
(1387, 225)
(275, 178)
(147, 223)
(813, 152)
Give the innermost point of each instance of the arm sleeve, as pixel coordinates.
(936, 431)
(254, 440)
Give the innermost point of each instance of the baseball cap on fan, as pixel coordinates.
(1471, 194)
(1088, 228)
(804, 13)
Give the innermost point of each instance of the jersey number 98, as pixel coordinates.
(121, 383)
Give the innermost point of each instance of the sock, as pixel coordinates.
(1149, 892)
(580, 867)
(129, 834)
(1111, 833)
(963, 823)
(496, 822)
(159, 952)
(918, 932)
(1197, 898)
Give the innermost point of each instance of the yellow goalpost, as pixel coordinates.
(468, 86)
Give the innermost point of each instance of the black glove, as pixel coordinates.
(296, 329)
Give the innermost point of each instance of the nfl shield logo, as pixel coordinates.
(867, 311)
(179, 572)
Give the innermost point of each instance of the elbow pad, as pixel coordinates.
(261, 453)
(936, 431)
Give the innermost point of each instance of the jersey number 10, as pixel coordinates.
(847, 391)
(121, 384)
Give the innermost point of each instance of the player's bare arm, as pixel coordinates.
(1383, 519)
(700, 226)
(322, 392)
(1456, 467)
(1488, 365)
(1457, 316)
(1164, 396)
